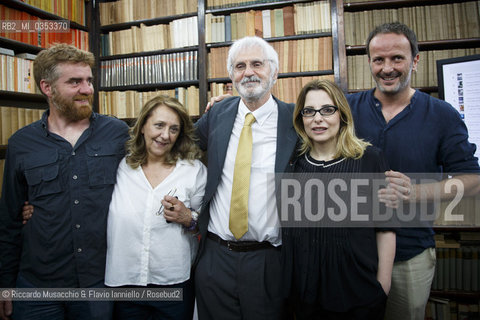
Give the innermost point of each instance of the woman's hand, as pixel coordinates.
(175, 211)
(385, 282)
(386, 242)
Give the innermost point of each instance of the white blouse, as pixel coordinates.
(142, 248)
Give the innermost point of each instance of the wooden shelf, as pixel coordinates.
(273, 39)
(23, 100)
(147, 22)
(393, 4)
(148, 53)
(18, 5)
(457, 294)
(253, 6)
(281, 75)
(154, 86)
(426, 45)
(19, 47)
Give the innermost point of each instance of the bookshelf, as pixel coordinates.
(458, 36)
(20, 103)
(145, 52)
(205, 49)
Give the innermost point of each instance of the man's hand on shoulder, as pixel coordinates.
(27, 212)
(216, 99)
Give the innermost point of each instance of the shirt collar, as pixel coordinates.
(44, 120)
(261, 114)
(378, 104)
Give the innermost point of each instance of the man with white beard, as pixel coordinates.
(238, 272)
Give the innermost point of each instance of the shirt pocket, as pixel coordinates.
(42, 174)
(102, 163)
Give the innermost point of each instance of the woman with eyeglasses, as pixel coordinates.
(334, 272)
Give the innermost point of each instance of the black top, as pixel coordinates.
(64, 243)
(336, 267)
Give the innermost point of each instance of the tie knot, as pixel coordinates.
(249, 119)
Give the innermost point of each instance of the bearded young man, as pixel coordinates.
(65, 166)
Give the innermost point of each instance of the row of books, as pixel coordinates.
(217, 89)
(16, 73)
(294, 56)
(359, 76)
(446, 309)
(287, 89)
(133, 10)
(347, 2)
(436, 22)
(13, 118)
(42, 39)
(161, 68)
(73, 10)
(457, 265)
(127, 104)
(177, 34)
(219, 4)
(302, 18)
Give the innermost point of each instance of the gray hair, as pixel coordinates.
(249, 42)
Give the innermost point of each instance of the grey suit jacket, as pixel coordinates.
(213, 130)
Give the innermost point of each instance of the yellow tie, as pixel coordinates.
(241, 181)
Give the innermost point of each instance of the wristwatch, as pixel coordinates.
(194, 222)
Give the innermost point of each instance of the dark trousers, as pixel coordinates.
(373, 311)
(233, 285)
(60, 310)
(158, 310)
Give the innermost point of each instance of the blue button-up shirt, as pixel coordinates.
(64, 243)
(428, 136)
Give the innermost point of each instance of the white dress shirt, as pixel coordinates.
(142, 248)
(263, 224)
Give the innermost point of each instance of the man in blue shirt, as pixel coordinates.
(418, 134)
(65, 166)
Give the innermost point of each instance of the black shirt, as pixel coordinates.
(64, 243)
(333, 267)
